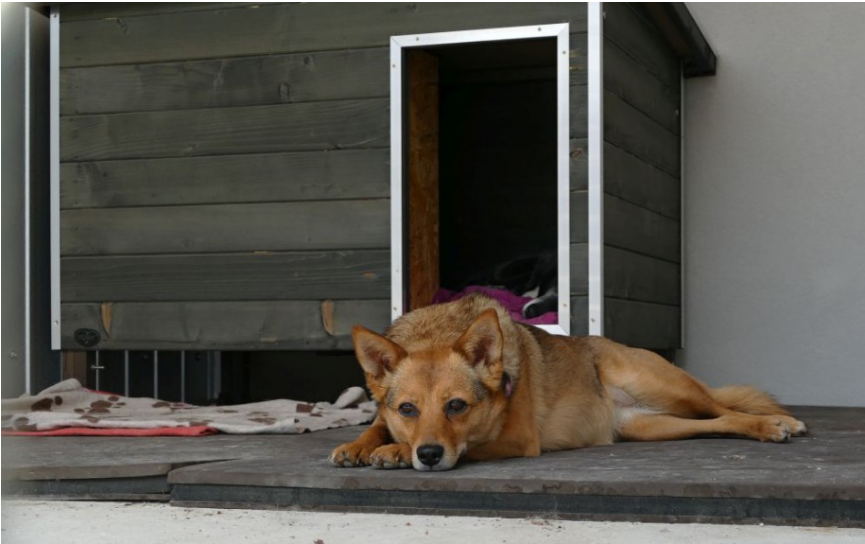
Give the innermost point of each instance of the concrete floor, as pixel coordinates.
(52, 522)
(815, 480)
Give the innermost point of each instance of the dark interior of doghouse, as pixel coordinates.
(487, 185)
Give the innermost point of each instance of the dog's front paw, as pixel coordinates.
(353, 454)
(391, 456)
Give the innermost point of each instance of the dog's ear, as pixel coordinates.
(482, 343)
(376, 353)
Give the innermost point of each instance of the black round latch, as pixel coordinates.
(87, 337)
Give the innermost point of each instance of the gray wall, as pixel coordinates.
(775, 202)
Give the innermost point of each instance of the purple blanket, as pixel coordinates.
(513, 303)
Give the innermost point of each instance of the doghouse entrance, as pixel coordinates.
(480, 169)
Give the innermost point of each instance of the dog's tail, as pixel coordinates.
(744, 398)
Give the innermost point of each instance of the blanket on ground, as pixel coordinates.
(68, 408)
(513, 303)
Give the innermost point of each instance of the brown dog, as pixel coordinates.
(464, 380)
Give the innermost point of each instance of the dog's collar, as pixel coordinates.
(507, 385)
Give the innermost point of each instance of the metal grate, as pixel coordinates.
(177, 376)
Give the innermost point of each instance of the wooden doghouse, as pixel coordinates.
(227, 174)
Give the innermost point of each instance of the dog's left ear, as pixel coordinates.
(482, 343)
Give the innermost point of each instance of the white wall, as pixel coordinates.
(775, 202)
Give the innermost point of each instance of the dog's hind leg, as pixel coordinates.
(647, 387)
(654, 383)
(651, 427)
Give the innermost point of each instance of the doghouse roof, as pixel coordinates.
(684, 36)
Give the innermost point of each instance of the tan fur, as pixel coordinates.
(567, 392)
(744, 398)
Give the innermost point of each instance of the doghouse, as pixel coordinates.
(262, 177)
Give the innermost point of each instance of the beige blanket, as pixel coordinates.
(68, 404)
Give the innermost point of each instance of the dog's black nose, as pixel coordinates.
(430, 454)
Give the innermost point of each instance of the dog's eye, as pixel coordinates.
(407, 409)
(457, 406)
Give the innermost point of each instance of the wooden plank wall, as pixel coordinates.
(225, 167)
(642, 254)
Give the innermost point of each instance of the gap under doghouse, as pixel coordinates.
(217, 377)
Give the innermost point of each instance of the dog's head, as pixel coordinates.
(441, 401)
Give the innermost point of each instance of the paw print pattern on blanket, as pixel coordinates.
(69, 405)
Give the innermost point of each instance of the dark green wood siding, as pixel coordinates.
(642, 204)
(222, 131)
(281, 324)
(242, 276)
(221, 83)
(272, 226)
(225, 167)
(265, 29)
(226, 179)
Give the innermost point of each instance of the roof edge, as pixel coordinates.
(684, 36)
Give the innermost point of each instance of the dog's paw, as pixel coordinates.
(774, 431)
(797, 428)
(353, 454)
(531, 309)
(779, 428)
(391, 456)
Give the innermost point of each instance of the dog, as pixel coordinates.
(543, 286)
(534, 276)
(461, 380)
